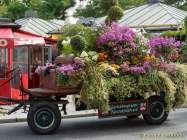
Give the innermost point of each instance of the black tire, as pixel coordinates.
(133, 116)
(44, 118)
(156, 111)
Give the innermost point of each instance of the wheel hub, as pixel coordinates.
(157, 110)
(44, 118)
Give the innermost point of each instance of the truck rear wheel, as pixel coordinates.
(156, 111)
(44, 118)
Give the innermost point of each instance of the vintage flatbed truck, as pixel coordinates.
(44, 107)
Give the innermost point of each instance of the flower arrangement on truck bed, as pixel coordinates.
(114, 63)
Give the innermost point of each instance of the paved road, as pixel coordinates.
(90, 128)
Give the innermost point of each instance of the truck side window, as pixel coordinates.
(3, 63)
(20, 59)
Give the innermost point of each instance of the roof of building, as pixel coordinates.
(153, 15)
(37, 26)
(7, 23)
(58, 22)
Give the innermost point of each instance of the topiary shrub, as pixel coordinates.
(78, 43)
(115, 13)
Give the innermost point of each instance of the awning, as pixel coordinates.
(24, 38)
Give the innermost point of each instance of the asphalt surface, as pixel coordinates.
(91, 128)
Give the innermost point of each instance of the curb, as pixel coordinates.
(2, 121)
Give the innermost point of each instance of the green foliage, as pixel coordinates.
(173, 33)
(73, 80)
(64, 48)
(15, 10)
(115, 13)
(93, 91)
(67, 49)
(185, 24)
(59, 44)
(79, 29)
(97, 87)
(183, 57)
(126, 4)
(55, 8)
(93, 9)
(46, 9)
(173, 2)
(179, 35)
(70, 30)
(78, 43)
(184, 6)
(125, 86)
(62, 79)
(107, 4)
(180, 80)
(2, 10)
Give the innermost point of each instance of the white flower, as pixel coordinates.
(84, 54)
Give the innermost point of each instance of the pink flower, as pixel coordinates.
(125, 67)
(137, 70)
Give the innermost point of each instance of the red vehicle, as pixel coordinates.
(22, 51)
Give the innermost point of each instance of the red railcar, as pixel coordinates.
(23, 49)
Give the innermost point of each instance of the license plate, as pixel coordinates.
(126, 108)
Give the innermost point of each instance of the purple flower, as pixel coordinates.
(163, 46)
(148, 65)
(137, 70)
(170, 68)
(116, 33)
(66, 69)
(43, 68)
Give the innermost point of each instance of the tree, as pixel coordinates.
(15, 10)
(93, 9)
(46, 9)
(184, 6)
(126, 4)
(115, 12)
(2, 10)
(173, 2)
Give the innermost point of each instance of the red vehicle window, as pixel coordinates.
(20, 59)
(3, 63)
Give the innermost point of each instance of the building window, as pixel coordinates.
(3, 63)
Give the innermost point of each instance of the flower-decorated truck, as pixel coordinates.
(113, 70)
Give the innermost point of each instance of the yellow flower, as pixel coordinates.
(104, 65)
(115, 66)
(149, 58)
(135, 60)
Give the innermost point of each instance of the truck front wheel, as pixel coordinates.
(44, 118)
(156, 111)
